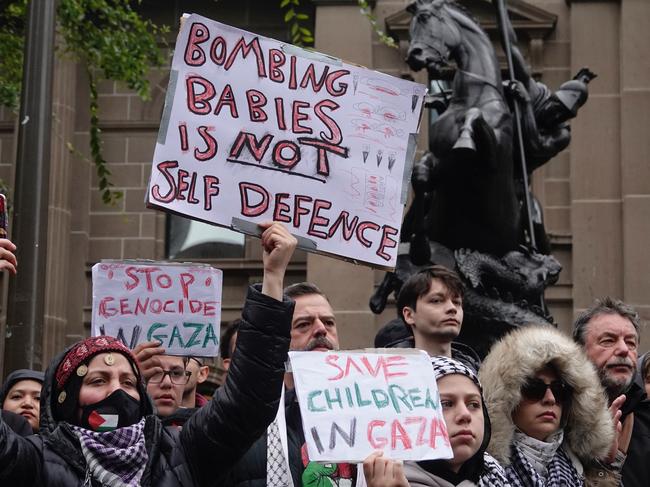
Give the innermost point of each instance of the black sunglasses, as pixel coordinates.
(535, 389)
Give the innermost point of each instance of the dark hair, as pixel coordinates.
(606, 305)
(645, 365)
(303, 289)
(419, 284)
(394, 335)
(224, 346)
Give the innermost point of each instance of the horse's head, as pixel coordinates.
(435, 35)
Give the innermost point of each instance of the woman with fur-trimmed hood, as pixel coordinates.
(550, 421)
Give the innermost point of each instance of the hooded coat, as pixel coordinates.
(588, 430)
(211, 441)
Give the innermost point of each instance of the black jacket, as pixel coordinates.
(210, 442)
(636, 470)
(17, 423)
(250, 471)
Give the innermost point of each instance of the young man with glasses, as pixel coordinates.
(166, 384)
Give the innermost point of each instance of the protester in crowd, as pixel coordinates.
(550, 421)
(313, 328)
(21, 394)
(165, 384)
(468, 427)
(8, 260)
(431, 304)
(198, 375)
(645, 372)
(609, 333)
(96, 385)
(228, 343)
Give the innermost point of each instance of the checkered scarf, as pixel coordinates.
(116, 458)
(443, 366)
(561, 472)
(493, 474)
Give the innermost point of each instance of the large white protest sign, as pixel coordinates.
(179, 305)
(254, 129)
(355, 403)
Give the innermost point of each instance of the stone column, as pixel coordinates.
(635, 151)
(596, 199)
(58, 236)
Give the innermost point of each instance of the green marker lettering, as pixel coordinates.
(310, 402)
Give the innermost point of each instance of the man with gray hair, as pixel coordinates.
(313, 329)
(609, 333)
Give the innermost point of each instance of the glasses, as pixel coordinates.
(177, 376)
(535, 390)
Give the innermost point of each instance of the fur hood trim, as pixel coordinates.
(589, 429)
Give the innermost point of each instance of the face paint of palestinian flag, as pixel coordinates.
(103, 422)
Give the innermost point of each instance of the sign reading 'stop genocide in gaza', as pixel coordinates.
(178, 305)
(254, 130)
(354, 403)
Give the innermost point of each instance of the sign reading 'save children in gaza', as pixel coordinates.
(355, 403)
(254, 129)
(179, 305)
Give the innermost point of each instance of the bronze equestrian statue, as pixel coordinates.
(466, 212)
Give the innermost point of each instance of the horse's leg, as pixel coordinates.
(426, 174)
(486, 140)
(466, 140)
(380, 296)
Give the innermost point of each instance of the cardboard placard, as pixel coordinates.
(178, 304)
(254, 129)
(355, 403)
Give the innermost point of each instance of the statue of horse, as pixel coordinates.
(466, 214)
(464, 187)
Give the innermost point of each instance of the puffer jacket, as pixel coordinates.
(211, 441)
(589, 429)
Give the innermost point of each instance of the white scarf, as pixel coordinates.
(538, 453)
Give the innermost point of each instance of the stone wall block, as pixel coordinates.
(104, 248)
(123, 225)
(595, 34)
(636, 235)
(595, 150)
(598, 251)
(635, 141)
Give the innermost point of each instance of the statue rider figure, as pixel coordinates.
(545, 127)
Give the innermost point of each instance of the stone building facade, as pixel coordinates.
(596, 194)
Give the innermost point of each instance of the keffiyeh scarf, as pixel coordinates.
(560, 472)
(493, 474)
(116, 458)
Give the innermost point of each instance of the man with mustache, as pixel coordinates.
(313, 328)
(609, 334)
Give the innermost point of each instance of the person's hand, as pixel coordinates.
(620, 442)
(148, 356)
(278, 246)
(7, 258)
(383, 472)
